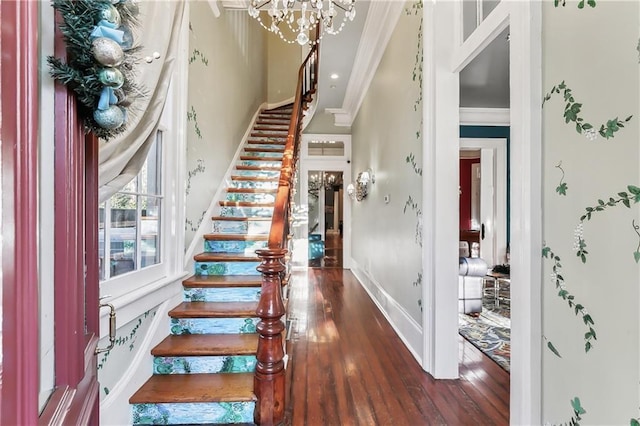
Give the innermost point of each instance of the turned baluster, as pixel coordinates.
(269, 379)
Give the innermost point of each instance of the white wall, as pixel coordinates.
(227, 84)
(593, 50)
(283, 65)
(386, 132)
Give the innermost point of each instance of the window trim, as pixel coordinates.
(119, 289)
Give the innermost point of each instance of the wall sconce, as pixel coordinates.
(351, 191)
(362, 184)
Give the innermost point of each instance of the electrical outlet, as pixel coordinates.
(387, 199)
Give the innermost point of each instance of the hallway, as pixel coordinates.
(350, 368)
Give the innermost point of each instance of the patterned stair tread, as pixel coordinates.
(275, 114)
(272, 126)
(253, 190)
(252, 197)
(185, 388)
(227, 203)
(242, 218)
(206, 364)
(236, 237)
(214, 310)
(248, 184)
(268, 134)
(256, 178)
(258, 168)
(263, 164)
(223, 281)
(207, 344)
(225, 257)
(260, 145)
(194, 413)
(272, 141)
(265, 149)
(259, 158)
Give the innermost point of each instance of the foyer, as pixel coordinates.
(349, 367)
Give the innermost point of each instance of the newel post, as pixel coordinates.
(269, 379)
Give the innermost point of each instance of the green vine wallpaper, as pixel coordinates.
(414, 11)
(591, 223)
(112, 364)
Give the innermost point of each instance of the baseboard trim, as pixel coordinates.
(409, 331)
(281, 103)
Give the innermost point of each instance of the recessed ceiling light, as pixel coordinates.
(334, 76)
(333, 86)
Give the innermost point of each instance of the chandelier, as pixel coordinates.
(324, 181)
(302, 16)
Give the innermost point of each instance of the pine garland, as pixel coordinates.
(81, 71)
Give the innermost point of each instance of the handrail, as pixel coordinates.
(269, 380)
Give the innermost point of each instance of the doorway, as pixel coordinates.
(447, 52)
(322, 226)
(326, 218)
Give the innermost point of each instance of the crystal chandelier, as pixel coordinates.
(302, 16)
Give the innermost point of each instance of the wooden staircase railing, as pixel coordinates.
(269, 381)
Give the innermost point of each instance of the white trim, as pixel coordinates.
(173, 123)
(485, 116)
(524, 20)
(205, 225)
(440, 192)
(130, 305)
(114, 408)
(405, 327)
(280, 103)
(525, 71)
(341, 117)
(235, 4)
(382, 18)
(214, 8)
(328, 163)
(499, 147)
(487, 31)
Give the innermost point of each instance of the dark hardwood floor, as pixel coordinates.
(348, 366)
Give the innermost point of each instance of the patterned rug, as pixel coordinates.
(491, 333)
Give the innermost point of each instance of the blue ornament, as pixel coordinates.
(110, 118)
(110, 13)
(111, 77)
(127, 38)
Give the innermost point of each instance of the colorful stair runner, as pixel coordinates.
(203, 371)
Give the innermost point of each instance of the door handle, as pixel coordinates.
(112, 328)
(482, 231)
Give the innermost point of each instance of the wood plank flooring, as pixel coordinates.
(348, 366)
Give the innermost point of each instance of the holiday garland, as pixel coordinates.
(100, 65)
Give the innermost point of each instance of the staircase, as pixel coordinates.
(203, 372)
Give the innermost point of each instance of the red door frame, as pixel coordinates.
(75, 400)
(19, 91)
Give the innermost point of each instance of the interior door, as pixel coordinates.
(487, 206)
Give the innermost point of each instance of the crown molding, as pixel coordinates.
(382, 18)
(485, 117)
(341, 117)
(232, 4)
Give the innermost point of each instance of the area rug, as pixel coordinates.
(491, 333)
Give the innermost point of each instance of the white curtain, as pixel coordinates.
(121, 159)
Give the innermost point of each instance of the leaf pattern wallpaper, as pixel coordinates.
(591, 187)
(227, 84)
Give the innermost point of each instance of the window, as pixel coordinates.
(129, 234)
